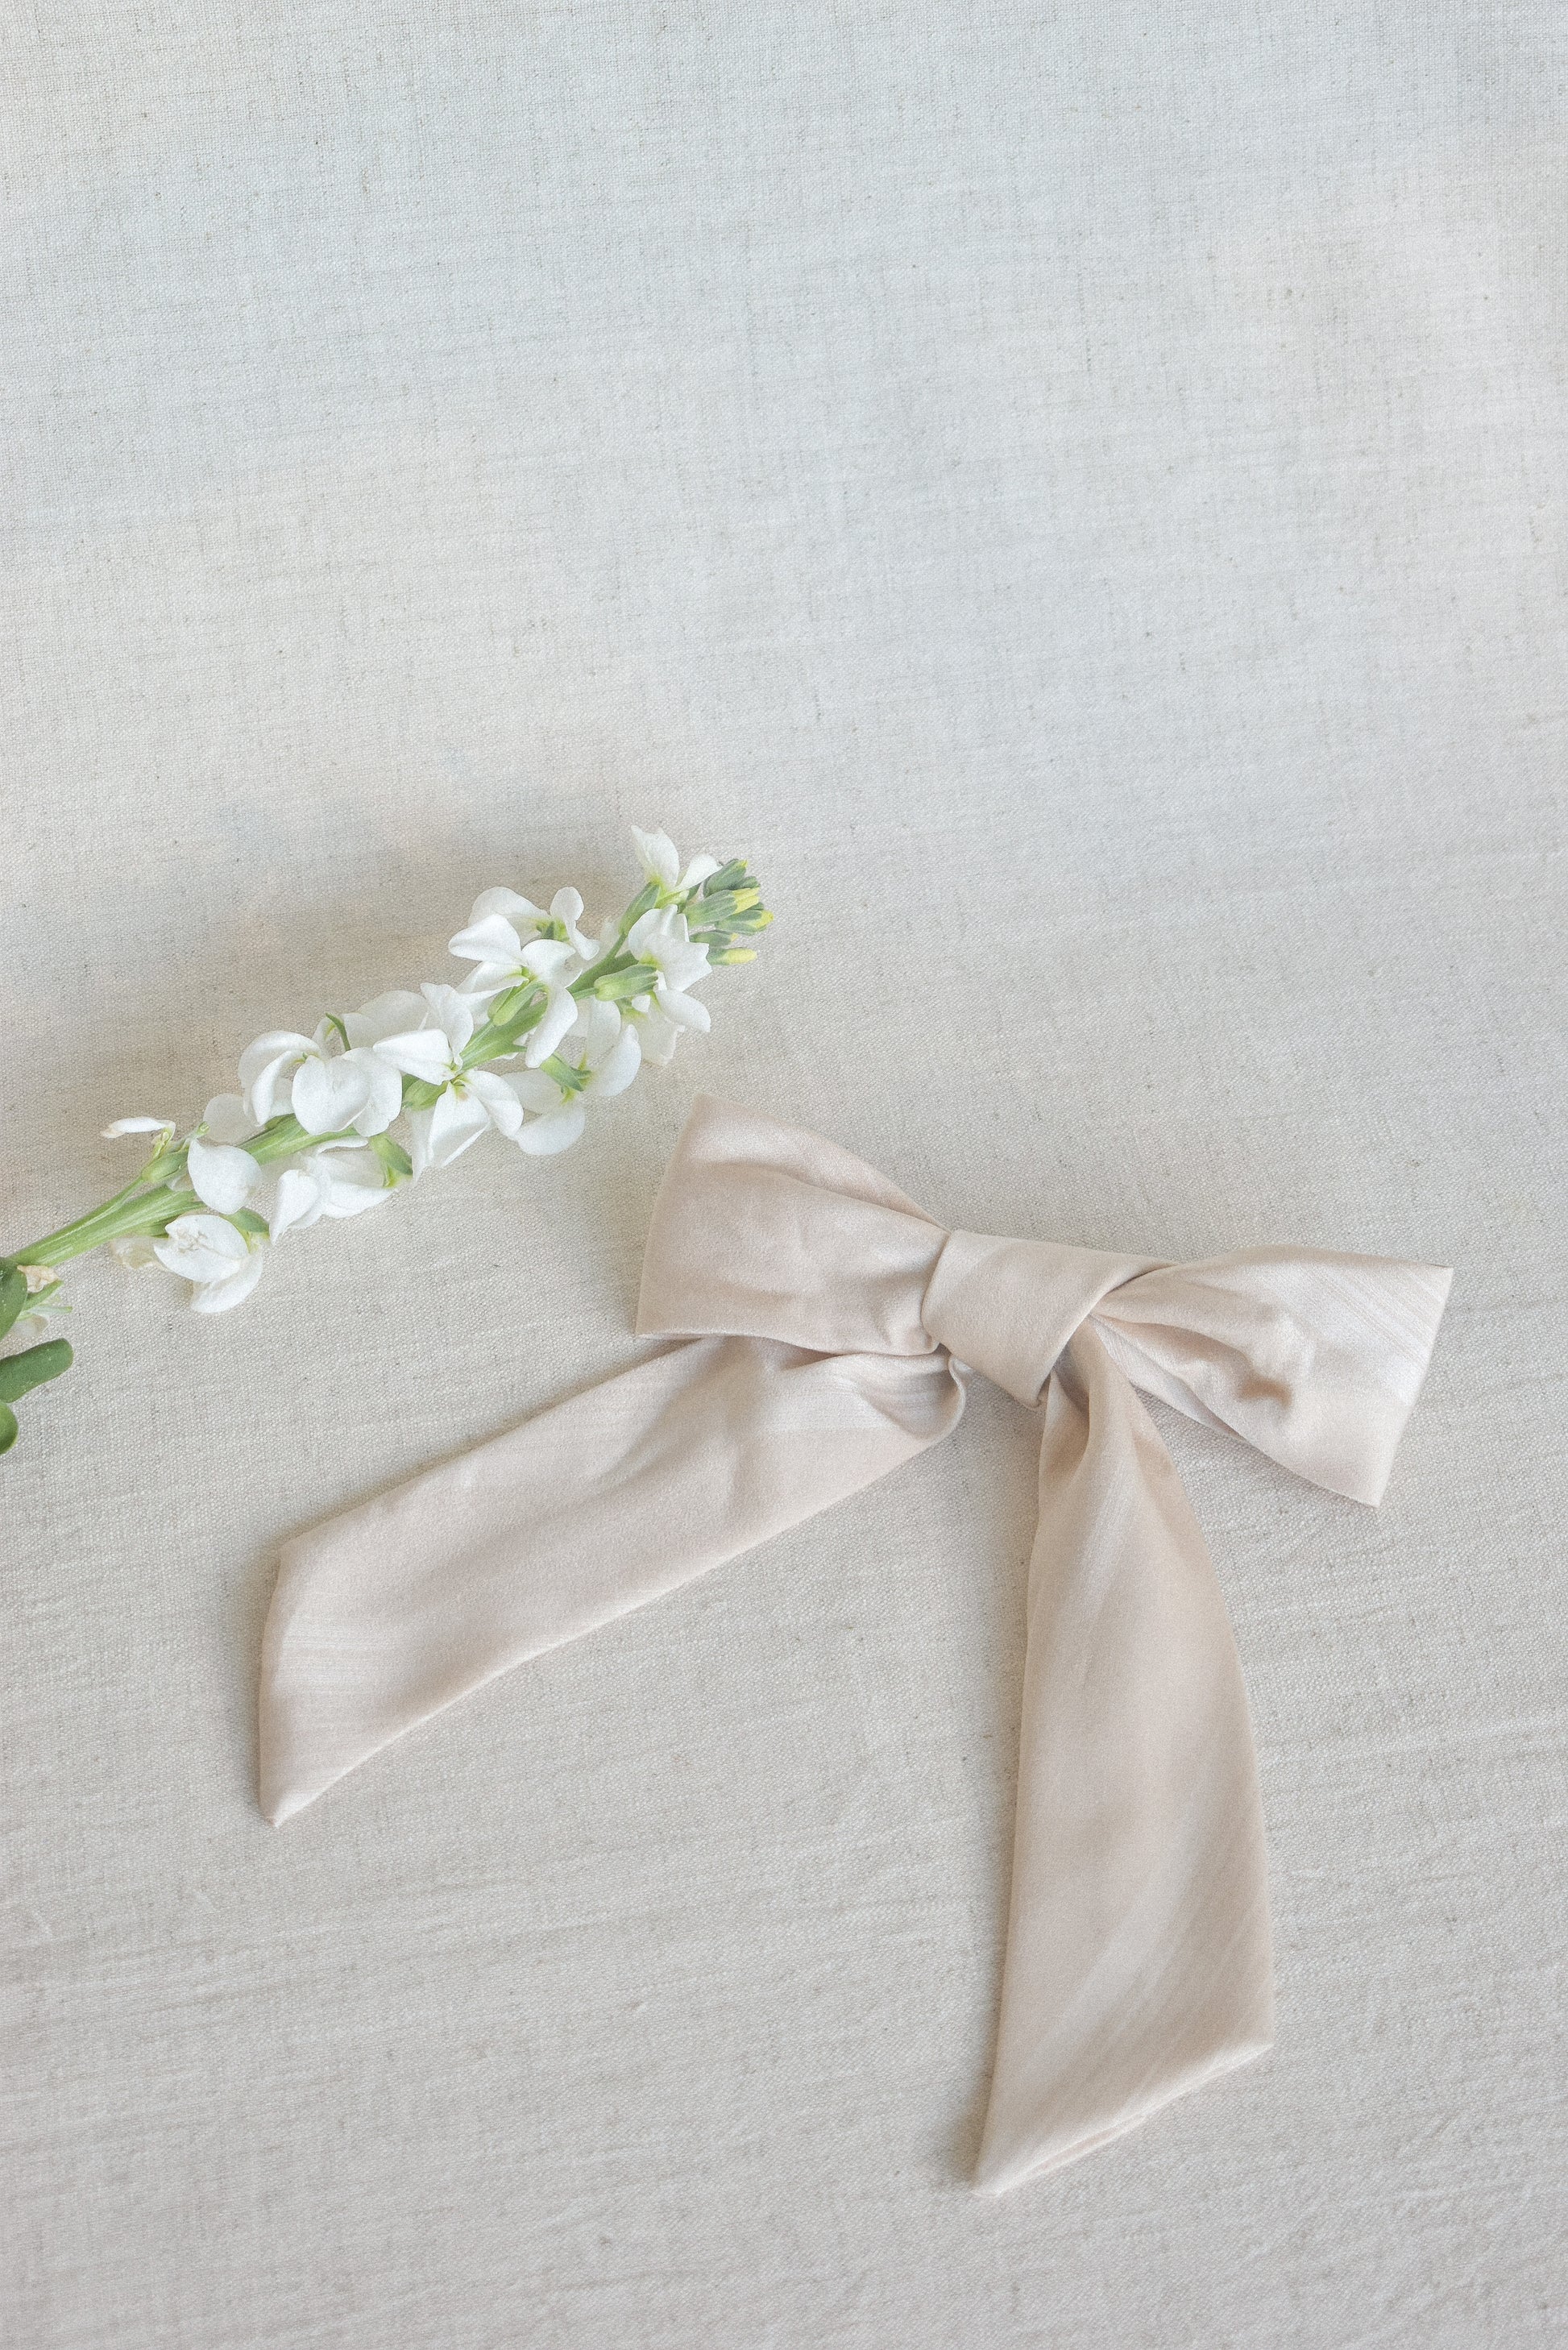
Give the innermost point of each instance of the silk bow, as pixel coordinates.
(828, 1322)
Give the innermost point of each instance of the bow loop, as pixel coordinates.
(768, 1232)
(1009, 1307)
(1313, 1356)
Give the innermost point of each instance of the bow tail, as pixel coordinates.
(383, 1615)
(1137, 1961)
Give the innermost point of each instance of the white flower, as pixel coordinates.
(471, 1100)
(138, 1125)
(557, 964)
(661, 938)
(222, 1175)
(329, 1181)
(661, 861)
(505, 960)
(658, 1035)
(222, 1265)
(330, 1088)
(609, 1053)
(504, 927)
(332, 1181)
(266, 1071)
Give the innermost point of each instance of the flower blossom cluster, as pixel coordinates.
(549, 1017)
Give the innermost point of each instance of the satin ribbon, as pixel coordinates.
(829, 1324)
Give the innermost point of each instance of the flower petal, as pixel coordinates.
(329, 1095)
(554, 1021)
(523, 914)
(566, 907)
(419, 1053)
(618, 1068)
(658, 1036)
(533, 1090)
(595, 1030)
(661, 858)
(456, 1122)
(277, 1044)
(264, 1068)
(351, 1183)
(384, 1094)
(297, 1203)
(137, 1126)
(552, 960)
(227, 1119)
(385, 1015)
(699, 870)
(500, 1103)
(661, 938)
(419, 1140)
(454, 1013)
(556, 1130)
(201, 1248)
(492, 940)
(221, 1176)
(684, 1010)
(218, 1296)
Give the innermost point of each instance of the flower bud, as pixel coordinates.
(618, 985)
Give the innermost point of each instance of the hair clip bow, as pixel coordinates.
(829, 1325)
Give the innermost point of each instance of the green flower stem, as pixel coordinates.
(146, 1213)
(285, 1136)
(609, 966)
(493, 1040)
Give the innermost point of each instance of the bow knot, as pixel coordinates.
(827, 1319)
(1008, 1308)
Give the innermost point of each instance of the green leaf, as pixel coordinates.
(19, 1374)
(7, 1427)
(13, 1297)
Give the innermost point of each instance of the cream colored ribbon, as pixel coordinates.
(827, 1322)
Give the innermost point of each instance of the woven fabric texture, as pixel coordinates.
(1076, 496)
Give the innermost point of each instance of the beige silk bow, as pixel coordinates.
(828, 1320)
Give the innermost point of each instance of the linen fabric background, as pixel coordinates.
(1077, 497)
